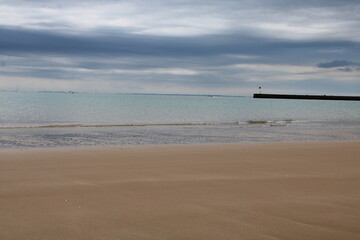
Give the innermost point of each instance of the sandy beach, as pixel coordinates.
(304, 190)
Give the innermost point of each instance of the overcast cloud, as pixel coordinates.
(196, 47)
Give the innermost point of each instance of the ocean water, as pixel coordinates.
(36, 119)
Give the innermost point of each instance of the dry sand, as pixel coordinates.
(229, 191)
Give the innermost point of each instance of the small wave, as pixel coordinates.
(270, 122)
(120, 125)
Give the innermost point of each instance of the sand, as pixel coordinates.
(225, 191)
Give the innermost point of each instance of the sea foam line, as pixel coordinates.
(146, 124)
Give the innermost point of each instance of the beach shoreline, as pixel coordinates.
(150, 146)
(292, 190)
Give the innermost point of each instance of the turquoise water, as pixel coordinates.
(31, 119)
(39, 109)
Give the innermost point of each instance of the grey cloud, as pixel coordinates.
(335, 63)
(346, 69)
(232, 11)
(311, 3)
(341, 65)
(275, 3)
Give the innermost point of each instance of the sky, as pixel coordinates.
(228, 47)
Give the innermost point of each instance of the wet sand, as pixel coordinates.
(216, 191)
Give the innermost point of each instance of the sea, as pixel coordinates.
(59, 119)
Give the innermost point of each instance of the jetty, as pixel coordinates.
(308, 97)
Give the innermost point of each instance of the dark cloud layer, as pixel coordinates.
(123, 44)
